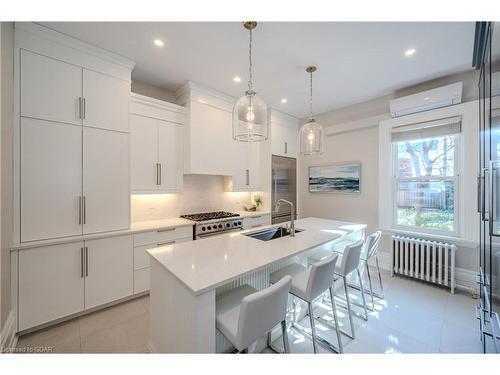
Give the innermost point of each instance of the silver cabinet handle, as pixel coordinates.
(165, 243)
(82, 262)
(286, 147)
(157, 173)
(86, 261)
(80, 115)
(159, 183)
(479, 205)
(84, 210)
(248, 176)
(84, 109)
(166, 230)
(80, 210)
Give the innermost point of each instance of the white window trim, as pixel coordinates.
(457, 151)
(468, 221)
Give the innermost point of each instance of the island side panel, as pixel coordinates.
(181, 322)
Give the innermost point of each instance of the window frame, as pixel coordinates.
(457, 198)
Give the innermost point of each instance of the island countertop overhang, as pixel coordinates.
(206, 264)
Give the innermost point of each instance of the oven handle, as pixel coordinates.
(204, 235)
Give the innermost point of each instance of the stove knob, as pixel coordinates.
(203, 229)
(235, 223)
(220, 226)
(239, 222)
(209, 227)
(228, 225)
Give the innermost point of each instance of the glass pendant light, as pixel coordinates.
(250, 120)
(311, 133)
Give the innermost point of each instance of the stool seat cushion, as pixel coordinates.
(228, 310)
(299, 274)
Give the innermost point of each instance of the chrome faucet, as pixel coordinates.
(292, 214)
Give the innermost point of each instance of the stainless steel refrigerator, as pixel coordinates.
(487, 60)
(284, 186)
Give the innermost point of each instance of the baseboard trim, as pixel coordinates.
(465, 279)
(8, 337)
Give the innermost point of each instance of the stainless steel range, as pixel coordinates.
(212, 223)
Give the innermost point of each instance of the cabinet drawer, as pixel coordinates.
(141, 280)
(141, 258)
(256, 221)
(162, 235)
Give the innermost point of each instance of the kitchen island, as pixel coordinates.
(186, 277)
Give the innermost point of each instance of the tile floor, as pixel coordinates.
(413, 318)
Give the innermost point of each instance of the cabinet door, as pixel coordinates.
(50, 89)
(291, 139)
(106, 101)
(105, 180)
(51, 283)
(109, 270)
(277, 139)
(170, 156)
(143, 153)
(284, 140)
(51, 179)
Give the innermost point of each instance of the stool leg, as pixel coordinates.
(336, 320)
(362, 294)
(313, 328)
(286, 346)
(379, 277)
(370, 283)
(348, 306)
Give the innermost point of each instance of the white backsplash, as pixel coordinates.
(200, 193)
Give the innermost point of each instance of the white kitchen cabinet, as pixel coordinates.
(245, 175)
(143, 153)
(106, 191)
(156, 146)
(106, 101)
(170, 150)
(50, 89)
(51, 176)
(284, 135)
(109, 270)
(51, 283)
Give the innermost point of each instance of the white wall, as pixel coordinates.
(200, 193)
(152, 91)
(354, 137)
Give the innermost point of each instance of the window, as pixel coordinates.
(426, 179)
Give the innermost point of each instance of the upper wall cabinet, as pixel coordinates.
(209, 145)
(156, 145)
(51, 89)
(284, 134)
(105, 101)
(72, 162)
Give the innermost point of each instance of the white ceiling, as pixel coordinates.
(356, 61)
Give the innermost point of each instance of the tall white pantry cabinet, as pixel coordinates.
(74, 167)
(71, 176)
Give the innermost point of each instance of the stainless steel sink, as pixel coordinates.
(271, 233)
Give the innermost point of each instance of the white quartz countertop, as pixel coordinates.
(208, 263)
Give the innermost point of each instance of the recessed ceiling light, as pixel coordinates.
(284, 100)
(158, 42)
(410, 52)
(237, 79)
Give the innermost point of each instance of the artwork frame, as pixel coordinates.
(342, 177)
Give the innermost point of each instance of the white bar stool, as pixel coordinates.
(308, 283)
(370, 251)
(350, 261)
(244, 314)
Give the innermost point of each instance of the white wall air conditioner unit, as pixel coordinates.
(426, 100)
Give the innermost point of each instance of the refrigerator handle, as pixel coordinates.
(491, 203)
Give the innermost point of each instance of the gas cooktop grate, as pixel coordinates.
(203, 216)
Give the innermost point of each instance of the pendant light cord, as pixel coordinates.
(250, 83)
(311, 95)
